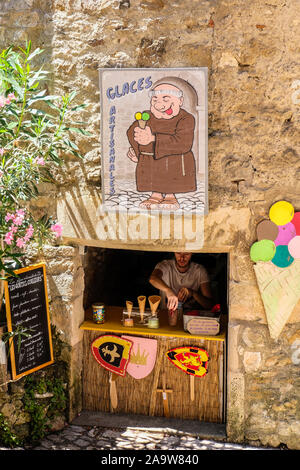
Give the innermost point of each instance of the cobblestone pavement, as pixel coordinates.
(129, 199)
(75, 437)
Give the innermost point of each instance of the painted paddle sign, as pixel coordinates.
(142, 356)
(191, 359)
(112, 353)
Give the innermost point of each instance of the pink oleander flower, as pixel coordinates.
(1, 151)
(9, 236)
(57, 229)
(18, 220)
(40, 161)
(20, 242)
(9, 217)
(10, 97)
(20, 212)
(18, 217)
(29, 233)
(2, 101)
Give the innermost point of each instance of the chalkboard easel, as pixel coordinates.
(26, 302)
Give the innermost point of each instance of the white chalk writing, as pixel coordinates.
(27, 304)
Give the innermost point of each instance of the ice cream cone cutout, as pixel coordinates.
(142, 119)
(276, 255)
(280, 292)
(129, 306)
(154, 301)
(142, 301)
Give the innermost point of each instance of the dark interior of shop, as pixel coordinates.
(122, 275)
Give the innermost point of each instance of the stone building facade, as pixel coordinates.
(251, 50)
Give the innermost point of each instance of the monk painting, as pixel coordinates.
(163, 149)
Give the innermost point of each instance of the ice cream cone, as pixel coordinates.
(129, 306)
(142, 302)
(142, 119)
(142, 124)
(280, 292)
(154, 301)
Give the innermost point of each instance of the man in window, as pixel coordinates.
(180, 279)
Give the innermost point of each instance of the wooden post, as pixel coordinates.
(154, 385)
(113, 390)
(165, 392)
(192, 385)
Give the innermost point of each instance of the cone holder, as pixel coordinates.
(154, 301)
(136, 316)
(142, 302)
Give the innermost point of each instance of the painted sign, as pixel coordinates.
(191, 359)
(142, 356)
(276, 255)
(112, 353)
(154, 139)
(26, 302)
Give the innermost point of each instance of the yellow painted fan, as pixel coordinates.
(192, 360)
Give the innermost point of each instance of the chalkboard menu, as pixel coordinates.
(27, 307)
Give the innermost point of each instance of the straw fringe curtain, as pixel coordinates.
(140, 396)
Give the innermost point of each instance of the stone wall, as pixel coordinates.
(251, 49)
(55, 390)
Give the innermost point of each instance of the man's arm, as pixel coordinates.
(203, 296)
(157, 282)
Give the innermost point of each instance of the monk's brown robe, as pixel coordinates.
(166, 165)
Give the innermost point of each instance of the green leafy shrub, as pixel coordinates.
(36, 132)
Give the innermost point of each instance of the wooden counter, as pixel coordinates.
(113, 324)
(142, 396)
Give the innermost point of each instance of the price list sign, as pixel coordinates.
(27, 310)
